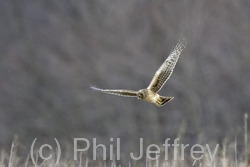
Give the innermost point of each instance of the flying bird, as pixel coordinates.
(161, 76)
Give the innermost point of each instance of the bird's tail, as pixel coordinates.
(162, 100)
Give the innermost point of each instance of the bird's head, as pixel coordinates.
(141, 94)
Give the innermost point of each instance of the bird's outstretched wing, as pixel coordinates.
(118, 92)
(166, 69)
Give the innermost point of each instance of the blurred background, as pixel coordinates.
(52, 51)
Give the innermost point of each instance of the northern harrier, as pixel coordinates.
(161, 76)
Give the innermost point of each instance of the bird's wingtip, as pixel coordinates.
(183, 41)
(181, 44)
(94, 87)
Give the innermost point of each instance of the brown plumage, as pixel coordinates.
(161, 76)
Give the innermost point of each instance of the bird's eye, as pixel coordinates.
(140, 95)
